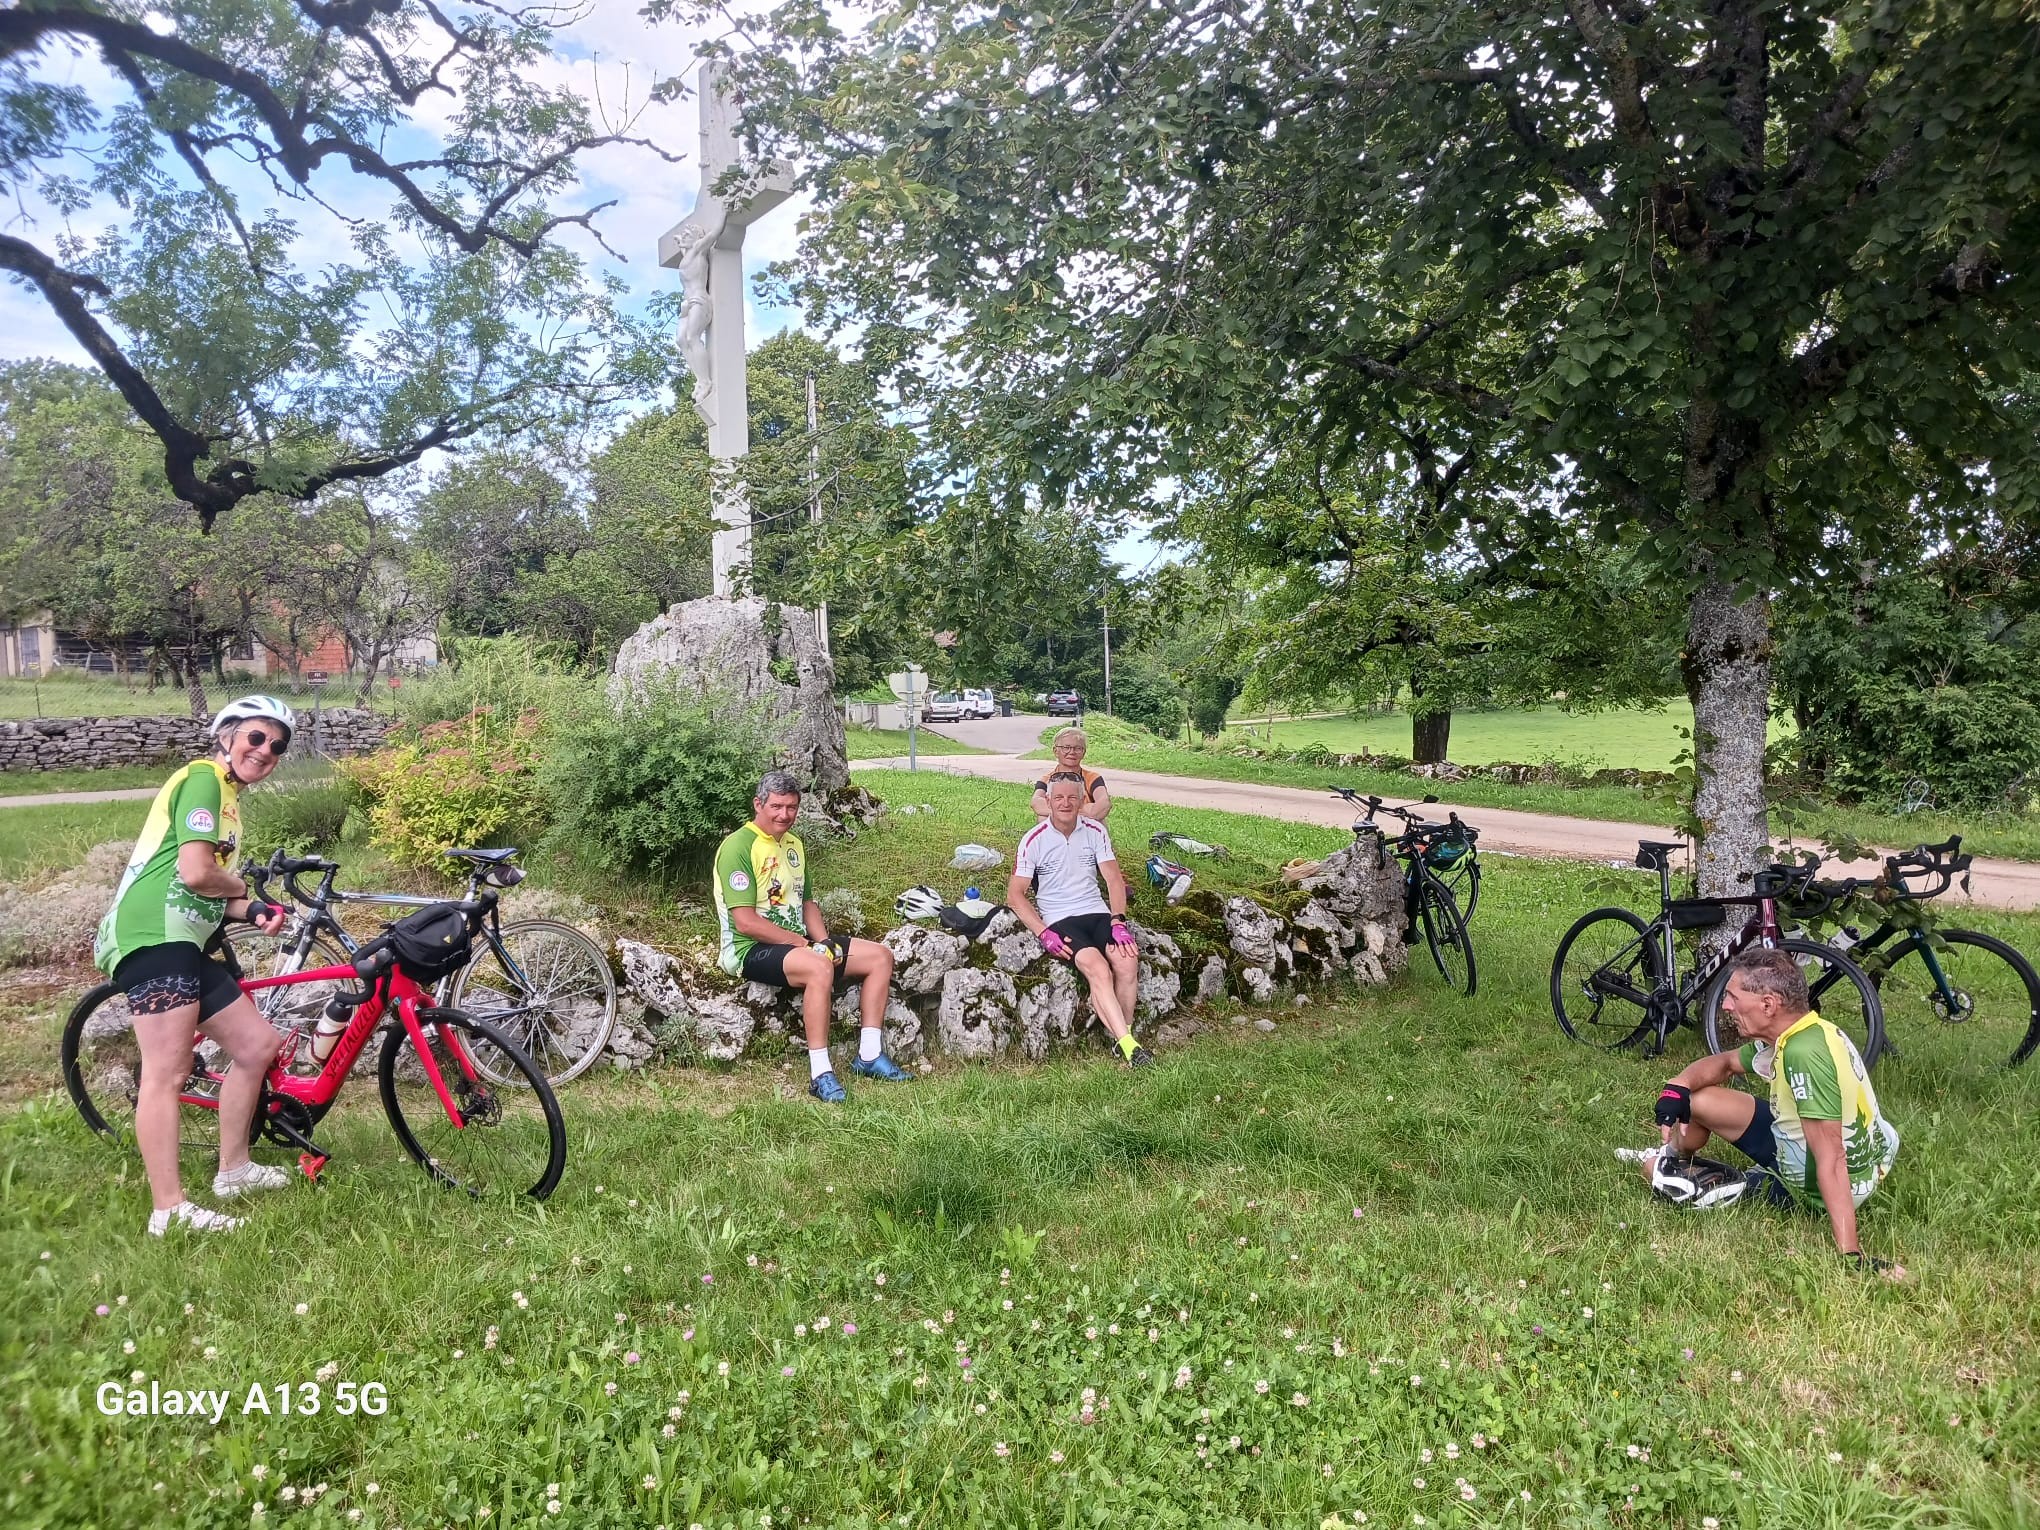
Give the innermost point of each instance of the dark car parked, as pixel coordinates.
(1065, 704)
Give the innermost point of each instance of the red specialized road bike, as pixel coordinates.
(464, 1100)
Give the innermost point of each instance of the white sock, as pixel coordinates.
(870, 1042)
(817, 1061)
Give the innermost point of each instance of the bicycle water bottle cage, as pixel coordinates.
(1696, 913)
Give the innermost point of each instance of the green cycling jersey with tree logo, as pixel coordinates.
(152, 906)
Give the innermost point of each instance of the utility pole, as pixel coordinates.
(912, 713)
(814, 450)
(1105, 614)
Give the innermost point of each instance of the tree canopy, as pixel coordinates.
(273, 338)
(1734, 281)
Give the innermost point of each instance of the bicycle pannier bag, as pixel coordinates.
(1697, 913)
(431, 943)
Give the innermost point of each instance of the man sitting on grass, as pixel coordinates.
(1054, 891)
(772, 932)
(1820, 1136)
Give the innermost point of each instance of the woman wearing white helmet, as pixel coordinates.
(172, 898)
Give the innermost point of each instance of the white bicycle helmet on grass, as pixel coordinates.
(1700, 1183)
(255, 709)
(918, 902)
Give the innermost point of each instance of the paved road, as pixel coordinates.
(53, 799)
(1995, 883)
(1020, 734)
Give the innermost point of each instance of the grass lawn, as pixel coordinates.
(1115, 744)
(35, 783)
(1639, 738)
(69, 694)
(885, 743)
(1341, 1267)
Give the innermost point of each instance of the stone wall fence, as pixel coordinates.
(999, 995)
(78, 743)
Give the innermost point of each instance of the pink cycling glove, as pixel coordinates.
(1055, 945)
(1121, 934)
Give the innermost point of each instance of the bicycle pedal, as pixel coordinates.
(309, 1164)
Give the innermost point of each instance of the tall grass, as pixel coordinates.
(1390, 1186)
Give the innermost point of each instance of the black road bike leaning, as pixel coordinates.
(1435, 857)
(1615, 981)
(1979, 996)
(543, 983)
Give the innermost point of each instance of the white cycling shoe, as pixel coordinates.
(250, 1176)
(196, 1218)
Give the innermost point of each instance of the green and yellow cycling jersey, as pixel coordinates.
(1816, 1074)
(152, 906)
(754, 870)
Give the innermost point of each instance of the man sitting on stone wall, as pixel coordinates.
(1054, 892)
(773, 933)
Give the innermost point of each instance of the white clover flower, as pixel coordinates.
(1467, 1493)
(800, 1330)
(371, 1489)
(1299, 1400)
(1451, 1451)
(1055, 1457)
(999, 1449)
(552, 1506)
(1424, 1455)
(258, 1471)
(1261, 1388)
(1416, 1482)
(302, 1308)
(650, 1482)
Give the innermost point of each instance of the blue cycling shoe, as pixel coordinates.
(827, 1090)
(882, 1067)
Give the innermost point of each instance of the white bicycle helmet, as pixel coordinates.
(253, 709)
(918, 902)
(1700, 1183)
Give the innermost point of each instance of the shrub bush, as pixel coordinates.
(1144, 693)
(653, 779)
(499, 680)
(296, 818)
(462, 783)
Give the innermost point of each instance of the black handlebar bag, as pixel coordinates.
(431, 943)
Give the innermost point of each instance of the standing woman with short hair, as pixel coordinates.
(173, 897)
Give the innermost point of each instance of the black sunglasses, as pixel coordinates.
(255, 738)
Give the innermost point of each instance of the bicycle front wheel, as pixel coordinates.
(1445, 933)
(497, 1139)
(1602, 977)
(1978, 1001)
(102, 1065)
(1840, 990)
(549, 989)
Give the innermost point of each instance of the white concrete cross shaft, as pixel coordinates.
(707, 247)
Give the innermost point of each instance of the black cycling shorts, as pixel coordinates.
(767, 964)
(158, 979)
(1086, 931)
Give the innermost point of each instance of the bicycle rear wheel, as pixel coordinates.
(1602, 977)
(556, 997)
(295, 1006)
(1840, 990)
(1989, 1008)
(102, 1065)
(1445, 933)
(509, 1139)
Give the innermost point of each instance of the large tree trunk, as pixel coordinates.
(1430, 735)
(1728, 679)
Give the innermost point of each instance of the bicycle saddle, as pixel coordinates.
(483, 857)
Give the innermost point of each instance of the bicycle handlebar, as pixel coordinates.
(1943, 863)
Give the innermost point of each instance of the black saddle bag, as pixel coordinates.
(431, 943)
(1697, 913)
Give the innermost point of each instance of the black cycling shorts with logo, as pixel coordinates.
(158, 979)
(767, 964)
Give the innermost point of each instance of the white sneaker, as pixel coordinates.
(197, 1218)
(1635, 1155)
(250, 1176)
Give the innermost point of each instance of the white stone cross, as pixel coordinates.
(707, 246)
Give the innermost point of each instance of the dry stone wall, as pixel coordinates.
(1001, 996)
(77, 743)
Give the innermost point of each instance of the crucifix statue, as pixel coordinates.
(707, 247)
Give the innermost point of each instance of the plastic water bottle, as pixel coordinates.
(333, 1023)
